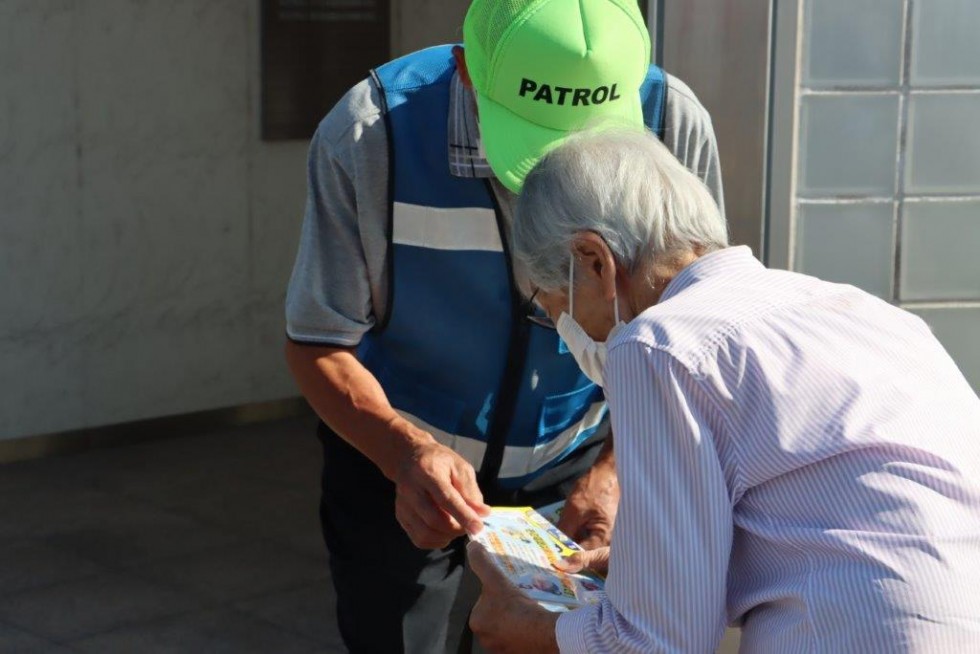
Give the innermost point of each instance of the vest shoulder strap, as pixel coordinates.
(653, 94)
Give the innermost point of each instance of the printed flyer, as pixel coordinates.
(525, 545)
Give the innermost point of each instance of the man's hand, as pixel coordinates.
(437, 497)
(590, 509)
(596, 560)
(504, 619)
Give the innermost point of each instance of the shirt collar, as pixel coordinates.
(465, 159)
(725, 261)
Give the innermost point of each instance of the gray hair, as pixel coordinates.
(624, 185)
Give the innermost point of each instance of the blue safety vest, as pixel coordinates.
(455, 354)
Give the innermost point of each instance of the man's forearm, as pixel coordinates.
(437, 496)
(348, 398)
(590, 507)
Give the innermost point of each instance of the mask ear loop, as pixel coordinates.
(571, 299)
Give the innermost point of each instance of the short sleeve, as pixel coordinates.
(689, 134)
(338, 285)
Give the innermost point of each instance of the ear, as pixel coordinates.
(464, 73)
(594, 258)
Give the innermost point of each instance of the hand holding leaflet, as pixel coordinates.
(527, 548)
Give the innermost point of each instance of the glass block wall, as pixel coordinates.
(888, 158)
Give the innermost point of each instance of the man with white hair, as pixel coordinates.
(407, 322)
(796, 457)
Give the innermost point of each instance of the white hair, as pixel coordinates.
(624, 185)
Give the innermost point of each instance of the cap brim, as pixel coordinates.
(513, 145)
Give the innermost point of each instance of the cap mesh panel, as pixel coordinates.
(486, 22)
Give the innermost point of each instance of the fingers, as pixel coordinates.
(447, 498)
(439, 497)
(430, 510)
(483, 567)
(573, 563)
(464, 480)
(574, 522)
(425, 533)
(477, 559)
(570, 518)
(596, 560)
(595, 538)
(486, 614)
(587, 528)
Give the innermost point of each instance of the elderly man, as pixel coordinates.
(406, 320)
(796, 457)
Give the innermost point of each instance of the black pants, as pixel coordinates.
(391, 596)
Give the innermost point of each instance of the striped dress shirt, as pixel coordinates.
(795, 457)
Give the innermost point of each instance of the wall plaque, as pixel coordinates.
(313, 51)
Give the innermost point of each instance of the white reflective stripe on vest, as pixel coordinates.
(520, 461)
(517, 461)
(469, 228)
(469, 448)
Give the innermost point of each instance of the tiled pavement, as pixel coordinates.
(205, 543)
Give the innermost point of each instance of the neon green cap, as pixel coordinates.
(544, 68)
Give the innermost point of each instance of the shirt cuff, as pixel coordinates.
(572, 629)
(330, 340)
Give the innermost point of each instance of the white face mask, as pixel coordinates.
(589, 353)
